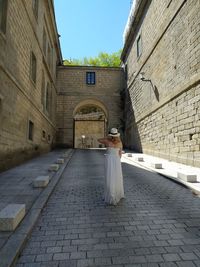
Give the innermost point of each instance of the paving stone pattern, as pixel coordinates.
(16, 184)
(157, 224)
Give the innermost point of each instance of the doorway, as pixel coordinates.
(89, 125)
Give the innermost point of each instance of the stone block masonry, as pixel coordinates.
(164, 110)
(24, 100)
(74, 92)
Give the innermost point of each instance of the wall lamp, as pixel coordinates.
(142, 78)
(155, 90)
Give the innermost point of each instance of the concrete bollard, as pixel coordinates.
(139, 158)
(11, 216)
(60, 161)
(187, 177)
(156, 165)
(41, 181)
(54, 167)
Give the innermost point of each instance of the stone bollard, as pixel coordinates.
(156, 165)
(60, 161)
(41, 181)
(11, 216)
(187, 177)
(139, 158)
(54, 167)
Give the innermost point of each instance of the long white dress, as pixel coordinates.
(114, 189)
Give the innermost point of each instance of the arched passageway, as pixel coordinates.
(90, 123)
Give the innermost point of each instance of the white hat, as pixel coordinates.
(114, 132)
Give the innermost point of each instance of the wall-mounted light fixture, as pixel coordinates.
(142, 78)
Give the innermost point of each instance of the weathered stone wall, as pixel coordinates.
(21, 99)
(73, 92)
(162, 115)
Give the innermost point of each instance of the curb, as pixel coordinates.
(195, 190)
(15, 244)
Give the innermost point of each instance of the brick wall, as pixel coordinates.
(165, 111)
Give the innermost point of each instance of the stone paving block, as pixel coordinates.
(61, 256)
(102, 261)
(60, 161)
(44, 257)
(171, 257)
(77, 255)
(67, 263)
(187, 264)
(188, 256)
(137, 259)
(11, 216)
(137, 232)
(156, 165)
(41, 181)
(187, 177)
(85, 263)
(54, 167)
(27, 258)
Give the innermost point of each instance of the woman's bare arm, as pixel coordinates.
(103, 141)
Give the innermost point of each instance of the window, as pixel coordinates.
(33, 67)
(48, 99)
(43, 134)
(43, 91)
(35, 8)
(90, 77)
(30, 130)
(49, 56)
(3, 15)
(49, 137)
(139, 46)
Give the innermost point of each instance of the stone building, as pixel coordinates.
(161, 58)
(44, 104)
(29, 54)
(88, 104)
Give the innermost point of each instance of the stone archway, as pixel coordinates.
(90, 123)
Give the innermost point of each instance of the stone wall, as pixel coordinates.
(163, 110)
(22, 99)
(73, 92)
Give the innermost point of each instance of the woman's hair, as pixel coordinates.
(115, 138)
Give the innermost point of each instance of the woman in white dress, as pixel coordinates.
(114, 189)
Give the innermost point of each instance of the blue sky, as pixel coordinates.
(88, 27)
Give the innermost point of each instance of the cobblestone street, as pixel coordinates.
(157, 224)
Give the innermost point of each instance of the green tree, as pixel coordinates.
(103, 60)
